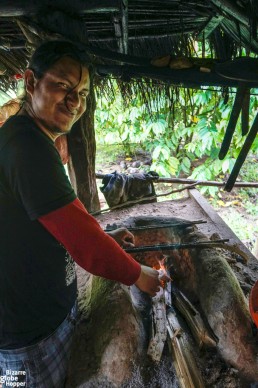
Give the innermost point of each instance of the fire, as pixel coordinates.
(163, 273)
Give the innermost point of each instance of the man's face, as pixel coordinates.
(59, 98)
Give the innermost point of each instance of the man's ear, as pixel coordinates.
(30, 81)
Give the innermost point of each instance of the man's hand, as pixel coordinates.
(148, 280)
(123, 237)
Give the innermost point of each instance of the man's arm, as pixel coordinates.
(94, 250)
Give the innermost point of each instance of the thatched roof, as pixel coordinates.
(125, 37)
(139, 28)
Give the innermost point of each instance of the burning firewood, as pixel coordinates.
(184, 361)
(201, 334)
(159, 304)
(159, 329)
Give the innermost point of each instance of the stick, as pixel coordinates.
(161, 226)
(168, 247)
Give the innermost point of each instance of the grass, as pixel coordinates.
(239, 208)
(107, 154)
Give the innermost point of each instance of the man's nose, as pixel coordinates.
(73, 99)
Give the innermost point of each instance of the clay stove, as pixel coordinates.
(217, 347)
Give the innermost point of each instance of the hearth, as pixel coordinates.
(196, 332)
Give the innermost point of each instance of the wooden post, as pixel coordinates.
(82, 148)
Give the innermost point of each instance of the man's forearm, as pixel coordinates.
(89, 245)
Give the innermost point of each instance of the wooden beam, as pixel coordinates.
(124, 5)
(212, 24)
(230, 7)
(188, 181)
(149, 37)
(120, 21)
(24, 7)
(189, 78)
(223, 229)
(118, 31)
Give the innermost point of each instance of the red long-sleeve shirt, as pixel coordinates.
(89, 245)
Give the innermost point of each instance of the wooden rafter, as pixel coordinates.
(25, 7)
(210, 26)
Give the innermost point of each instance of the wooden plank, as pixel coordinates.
(223, 228)
(23, 7)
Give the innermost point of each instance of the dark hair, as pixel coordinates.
(49, 52)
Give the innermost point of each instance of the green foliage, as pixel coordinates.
(243, 228)
(249, 173)
(178, 138)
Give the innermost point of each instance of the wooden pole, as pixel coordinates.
(189, 78)
(193, 181)
(82, 148)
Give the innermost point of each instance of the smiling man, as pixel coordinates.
(59, 98)
(45, 228)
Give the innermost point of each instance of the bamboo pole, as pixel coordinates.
(193, 181)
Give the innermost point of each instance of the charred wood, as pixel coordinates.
(202, 335)
(185, 365)
(158, 329)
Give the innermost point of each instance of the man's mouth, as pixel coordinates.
(67, 112)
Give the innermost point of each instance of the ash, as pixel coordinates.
(161, 375)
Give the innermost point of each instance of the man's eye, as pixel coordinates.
(84, 94)
(63, 85)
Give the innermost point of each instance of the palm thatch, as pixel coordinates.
(139, 30)
(131, 40)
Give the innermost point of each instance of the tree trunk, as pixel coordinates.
(82, 148)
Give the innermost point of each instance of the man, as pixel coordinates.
(42, 220)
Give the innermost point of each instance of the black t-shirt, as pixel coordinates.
(37, 275)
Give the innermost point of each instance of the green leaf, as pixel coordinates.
(156, 152)
(186, 162)
(166, 152)
(225, 166)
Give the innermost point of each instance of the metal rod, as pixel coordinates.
(170, 247)
(160, 226)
